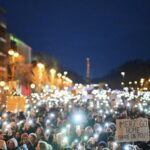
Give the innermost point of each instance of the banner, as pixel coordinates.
(15, 103)
(131, 130)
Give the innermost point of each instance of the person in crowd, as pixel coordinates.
(71, 122)
(3, 145)
(42, 145)
(12, 144)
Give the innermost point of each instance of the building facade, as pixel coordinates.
(3, 45)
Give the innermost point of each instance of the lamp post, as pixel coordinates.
(32, 86)
(59, 80)
(52, 76)
(123, 82)
(41, 68)
(142, 82)
(12, 60)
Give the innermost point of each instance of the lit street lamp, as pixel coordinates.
(12, 60)
(59, 80)
(123, 75)
(40, 68)
(52, 75)
(142, 82)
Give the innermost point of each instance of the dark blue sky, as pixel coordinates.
(110, 32)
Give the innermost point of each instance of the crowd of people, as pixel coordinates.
(73, 119)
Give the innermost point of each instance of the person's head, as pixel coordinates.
(26, 126)
(110, 142)
(102, 145)
(29, 144)
(12, 144)
(39, 131)
(24, 138)
(3, 145)
(17, 135)
(42, 145)
(98, 119)
(88, 131)
(32, 138)
(41, 119)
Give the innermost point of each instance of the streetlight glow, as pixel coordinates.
(40, 65)
(11, 52)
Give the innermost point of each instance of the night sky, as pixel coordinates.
(110, 32)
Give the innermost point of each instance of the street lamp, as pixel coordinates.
(59, 80)
(65, 73)
(52, 75)
(13, 55)
(123, 75)
(40, 72)
(142, 82)
(32, 86)
(2, 83)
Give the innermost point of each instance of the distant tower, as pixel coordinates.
(87, 70)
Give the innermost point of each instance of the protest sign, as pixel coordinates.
(131, 130)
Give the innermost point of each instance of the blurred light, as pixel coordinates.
(59, 75)
(96, 136)
(65, 73)
(130, 82)
(16, 54)
(5, 115)
(85, 138)
(63, 130)
(6, 87)
(32, 85)
(77, 118)
(122, 83)
(11, 52)
(2, 83)
(52, 115)
(76, 141)
(115, 144)
(126, 147)
(65, 140)
(99, 129)
(68, 125)
(135, 82)
(106, 125)
(5, 123)
(128, 104)
(106, 85)
(123, 74)
(40, 65)
(47, 121)
(30, 122)
(47, 131)
(52, 71)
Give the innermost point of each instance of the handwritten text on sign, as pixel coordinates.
(131, 130)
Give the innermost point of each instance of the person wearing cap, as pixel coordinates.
(12, 144)
(33, 139)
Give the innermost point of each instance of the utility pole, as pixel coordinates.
(87, 70)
